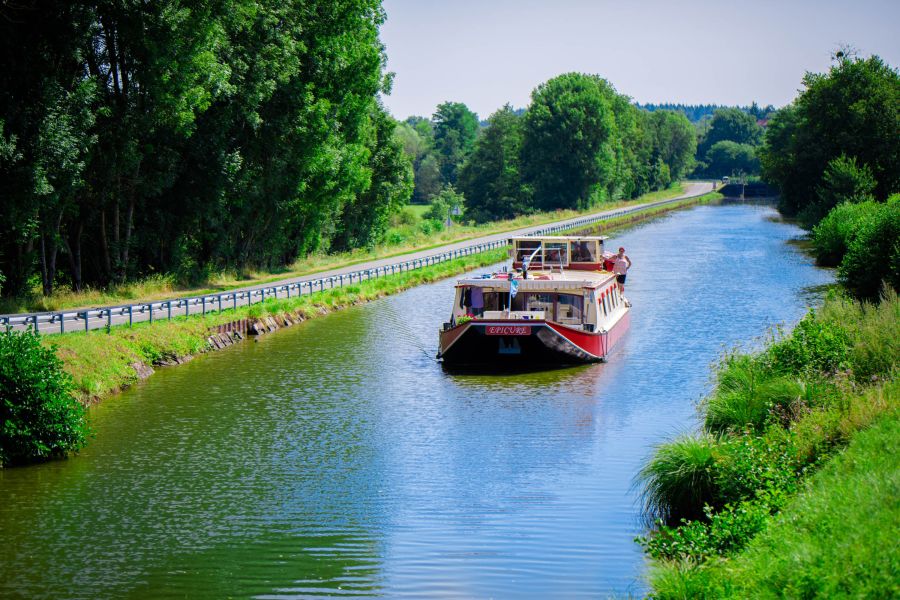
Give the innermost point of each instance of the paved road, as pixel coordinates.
(98, 317)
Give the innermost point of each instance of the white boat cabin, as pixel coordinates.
(558, 279)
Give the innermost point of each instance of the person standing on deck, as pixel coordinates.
(620, 268)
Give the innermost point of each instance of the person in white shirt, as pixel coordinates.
(620, 268)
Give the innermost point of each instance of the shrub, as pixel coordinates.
(679, 479)
(833, 234)
(843, 181)
(746, 392)
(724, 532)
(751, 467)
(873, 256)
(39, 415)
(814, 346)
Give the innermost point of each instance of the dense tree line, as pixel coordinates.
(142, 137)
(835, 154)
(697, 113)
(579, 142)
(729, 144)
(845, 122)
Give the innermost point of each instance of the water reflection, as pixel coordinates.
(339, 458)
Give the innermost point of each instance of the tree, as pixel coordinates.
(455, 130)
(733, 125)
(491, 178)
(852, 110)
(569, 141)
(39, 415)
(843, 181)
(428, 179)
(364, 221)
(446, 205)
(730, 158)
(674, 141)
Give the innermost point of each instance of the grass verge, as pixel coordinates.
(102, 363)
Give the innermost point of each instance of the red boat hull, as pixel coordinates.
(527, 341)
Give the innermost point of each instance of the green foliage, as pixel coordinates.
(832, 236)
(674, 142)
(873, 255)
(491, 177)
(455, 130)
(779, 415)
(746, 392)
(247, 132)
(853, 111)
(39, 415)
(723, 532)
(843, 181)
(835, 540)
(815, 345)
(445, 205)
(569, 140)
(680, 479)
(730, 158)
(732, 125)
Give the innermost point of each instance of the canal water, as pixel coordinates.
(338, 458)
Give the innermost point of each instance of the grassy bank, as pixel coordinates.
(102, 363)
(791, 483)
(414, 235)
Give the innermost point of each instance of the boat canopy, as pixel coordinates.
(573, 252)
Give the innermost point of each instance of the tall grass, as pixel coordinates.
(679, 480)
(837, 539)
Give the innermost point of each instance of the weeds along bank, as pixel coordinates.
(87, 366)
(790, 487)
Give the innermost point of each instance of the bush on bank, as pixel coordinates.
(39, 415)
(773, 419)
(863, 241)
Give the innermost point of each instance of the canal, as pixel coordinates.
(338, 458)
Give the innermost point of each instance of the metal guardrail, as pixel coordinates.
(110, 316)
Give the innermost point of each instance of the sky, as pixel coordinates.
(491, 52)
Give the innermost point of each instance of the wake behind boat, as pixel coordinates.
(559, 304)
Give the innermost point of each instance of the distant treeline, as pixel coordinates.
(698, 112)
(578, 143)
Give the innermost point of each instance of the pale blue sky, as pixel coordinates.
(488, 53)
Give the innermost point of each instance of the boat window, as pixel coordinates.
(492, 301)
(585, 252)
(569, 309)
(525, 248)
(542, 302)
(556, 253)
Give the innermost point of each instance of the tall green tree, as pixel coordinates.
(455, 130)
(569, 141)
(674, 141)
(732, 125)
(852, 110)
(491, 178)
